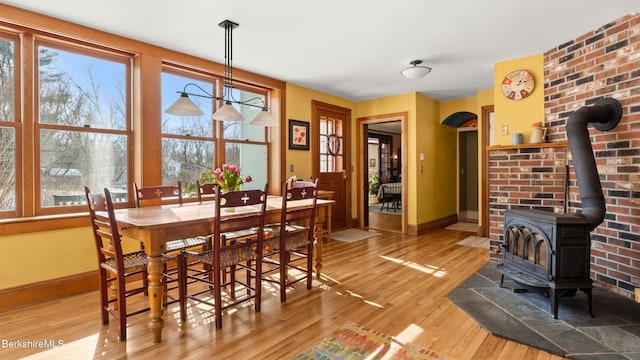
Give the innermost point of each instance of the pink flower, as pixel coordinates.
(228, 177)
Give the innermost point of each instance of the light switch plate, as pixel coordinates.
(504, 129)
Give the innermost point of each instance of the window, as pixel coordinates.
(245, 144)
(83, 124)
(331, 156)
(8, 125)
(190, 143)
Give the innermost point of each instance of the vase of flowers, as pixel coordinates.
(228, 178)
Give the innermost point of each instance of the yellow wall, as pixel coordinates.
(299, 108)
(39, 256)
(33, 257)
(485, 98)
(518, 114)
(453, 106)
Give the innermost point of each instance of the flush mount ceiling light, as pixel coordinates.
(415, 71)
(227, 112)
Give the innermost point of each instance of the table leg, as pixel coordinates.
(329, 223)
(154, 270)
(317, 249)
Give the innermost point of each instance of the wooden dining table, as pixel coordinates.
(155, 225)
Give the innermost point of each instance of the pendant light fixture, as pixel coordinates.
(227, 112)
(415, 71)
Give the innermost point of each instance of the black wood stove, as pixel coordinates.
(552, 251)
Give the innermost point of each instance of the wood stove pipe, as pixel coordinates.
(605, 115)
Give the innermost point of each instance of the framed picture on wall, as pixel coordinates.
(372, 163)
(298, 135)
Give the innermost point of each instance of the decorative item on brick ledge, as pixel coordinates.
(538, 133)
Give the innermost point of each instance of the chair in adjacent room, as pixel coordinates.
(391, 194)
(237, 246)
(169, 194)
(114, 266)
(289, 247)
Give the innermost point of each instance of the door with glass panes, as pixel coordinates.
(332, 162)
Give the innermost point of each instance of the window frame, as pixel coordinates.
(219, 140)
(16, 122)
(38, 127)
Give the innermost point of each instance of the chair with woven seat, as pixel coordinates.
(290, 248)
(237, 245)
(114, 266)
(169, 194)
(205, 191)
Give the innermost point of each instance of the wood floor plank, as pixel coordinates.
(393, 283)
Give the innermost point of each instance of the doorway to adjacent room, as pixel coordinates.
(382, 144)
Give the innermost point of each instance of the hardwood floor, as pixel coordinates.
(390, 283)
(385, 222)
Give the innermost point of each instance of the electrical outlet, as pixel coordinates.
(504, 129)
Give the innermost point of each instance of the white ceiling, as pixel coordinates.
(352, 48)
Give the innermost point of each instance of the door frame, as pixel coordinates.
(362, 162)
(483, 226)
(316, 107)
(459, 159)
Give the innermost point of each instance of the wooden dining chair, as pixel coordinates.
(289, 251)
(114, 266)
(169, 194)
(237, 245)
(157, 195)
(205, 191)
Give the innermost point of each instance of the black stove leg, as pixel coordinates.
(589, 299)
(501, 280)
(554, 299)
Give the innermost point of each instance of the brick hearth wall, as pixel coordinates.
(602, 63)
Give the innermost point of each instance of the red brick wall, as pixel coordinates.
(602, 63)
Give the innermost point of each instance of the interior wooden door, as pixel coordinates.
(331, 161)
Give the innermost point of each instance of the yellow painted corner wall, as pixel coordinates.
(485, 98)
(436, 173)
(517, 115)
(33, 257)
(446, 161)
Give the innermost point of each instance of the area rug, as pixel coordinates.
(352, 341)
(353, 235)
(463, 226)
(475, 241)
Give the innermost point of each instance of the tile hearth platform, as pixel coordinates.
(525, 317)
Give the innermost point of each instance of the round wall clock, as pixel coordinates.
(518, 85)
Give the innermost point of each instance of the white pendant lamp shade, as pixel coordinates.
(415, 71)
(227, 113)
(184, 107)
(264, 119)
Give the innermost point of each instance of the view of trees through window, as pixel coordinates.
(7, 129)
(78, 130)
(83, 131)
(189, 143)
